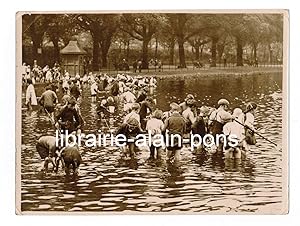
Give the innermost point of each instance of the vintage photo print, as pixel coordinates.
(152, 112)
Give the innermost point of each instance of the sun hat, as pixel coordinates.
(237, 112)
(189, 96)
(223, 102)
(175, 107)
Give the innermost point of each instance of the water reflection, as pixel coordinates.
(201, 182)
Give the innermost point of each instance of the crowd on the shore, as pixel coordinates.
(132, 96)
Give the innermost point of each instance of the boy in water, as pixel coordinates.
(249, 125)
(46, 147)
(130, 129)
(235, 128)
(175, 124)
(218, 119)
(48, 101)
(69, 117)
(134, 113)
(155, 125)
(94, 90)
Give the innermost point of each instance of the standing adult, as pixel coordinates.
(31, 99)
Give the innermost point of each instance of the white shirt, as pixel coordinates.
(155, 126)
(121, 87)
(94, 87)
(48, 75)
(85, 78)
(234, 128)
(249, 120)
(65, 84)
(128, 97)
(220, 115)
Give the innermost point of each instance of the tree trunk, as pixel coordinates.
(145, 53)
(127, 49)
(201, 52)
(56, 49)
(35, 46)
(104, 58)
(197, 52)
(181, 53)
(214, 41)
(156, 48)
(96, 49)
(34, 38)
(239, 52)
(171, 56)
(220, 49)
(105, 45)
(270, 54)
(254, 51)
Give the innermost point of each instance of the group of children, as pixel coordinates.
(132, 95)
(185, 119)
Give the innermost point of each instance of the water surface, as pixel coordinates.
(200, 183)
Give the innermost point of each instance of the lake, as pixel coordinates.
(199, 183)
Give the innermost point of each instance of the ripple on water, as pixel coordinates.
(206, 185)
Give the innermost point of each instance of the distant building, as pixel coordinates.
(72, 58)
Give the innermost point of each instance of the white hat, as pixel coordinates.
(237, 112)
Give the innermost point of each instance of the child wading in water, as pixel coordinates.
(236, 128)
(130, 129)
(249, 125)
(155, 125)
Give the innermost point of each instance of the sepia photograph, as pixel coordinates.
(152, 112)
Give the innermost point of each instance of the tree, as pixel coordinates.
(167, 37)
(272, 28)
(141, 27)
(60, 29)
(184, 26)
(236, 25)
(197, 42)
(102, 28)
(124, 40)
(254, 29)
(35, 26)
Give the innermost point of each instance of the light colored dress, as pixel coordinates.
(30, 96)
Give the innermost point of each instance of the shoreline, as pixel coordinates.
(202, 73)
(210, 73)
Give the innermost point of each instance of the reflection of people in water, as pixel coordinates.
(175, 174)
(221, 164)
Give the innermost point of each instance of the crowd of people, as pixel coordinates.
(132, 96)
